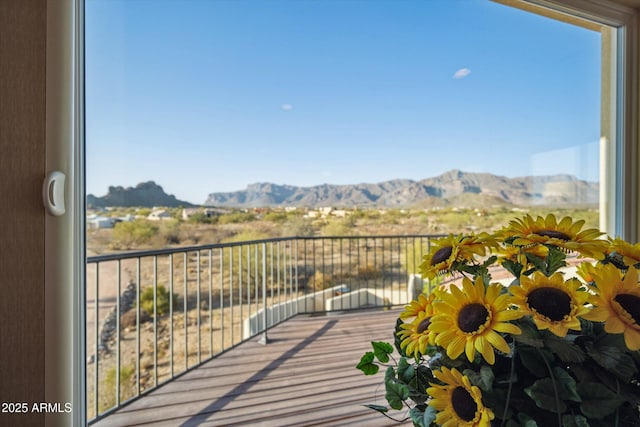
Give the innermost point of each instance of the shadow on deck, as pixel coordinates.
(305, 376)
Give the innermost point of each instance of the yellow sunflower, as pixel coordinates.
(454, 248)
(618, 303)
(553, 303)
(586, 270)
(624, 253)
(443, 254)
(422, 304)
(478, 243)
(459, 404)
(415, 336)
(565, 234)
(470, 319)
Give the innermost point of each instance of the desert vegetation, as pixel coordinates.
(244, 225)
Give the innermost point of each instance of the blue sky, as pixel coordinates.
(209, 96)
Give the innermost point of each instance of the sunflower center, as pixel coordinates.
(424, 325)
(550, 302)
(441, 255)
(463, 404)
(631, 304)
(471, 317)
(554, 234)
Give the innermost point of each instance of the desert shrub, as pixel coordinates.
(202, 218)
(339, 227)
(369, 272)
(320, 281)
(128, 234)
(130, 318)
(171, 232)
(108, 387)
(162, 300)
(277, 217)
(143, 211)
(236, 217)
(298, 226)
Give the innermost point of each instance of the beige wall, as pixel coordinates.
(22, 163)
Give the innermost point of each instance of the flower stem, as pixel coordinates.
(513, 368)
(555, 389)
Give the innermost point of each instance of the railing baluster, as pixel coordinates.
(256, 280)
(222, 346)
(138, 385)
(306, 276)
(210, 267)
(296, 270)
(198, 303)
(231, 291)
(185, 301)
(240, 284)
(294, 308)
(155, 321)
(96, 358)
(279, 285)
(171, 315)
(271, 276)
(264, 339)
(118, 291)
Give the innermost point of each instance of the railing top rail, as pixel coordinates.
(196, 248)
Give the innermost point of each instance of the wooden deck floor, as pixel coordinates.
(305, 376)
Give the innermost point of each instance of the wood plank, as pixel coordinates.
(305, 376)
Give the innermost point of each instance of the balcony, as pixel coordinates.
(264, 332)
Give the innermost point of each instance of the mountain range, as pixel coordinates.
(455, 188)
(146, 194)
(452, 187)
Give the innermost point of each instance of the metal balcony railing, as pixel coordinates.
(154, 315)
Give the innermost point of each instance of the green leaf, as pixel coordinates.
(564, 348)
(566, 385)
(406, 372)
(533, 359)
(598, 401)
(530, 335)
(379, 408)
(382, 350)
(417, 416)
(396, 394)
(574, 421)
(424, 376)
(483, 379)
(512, 267)
(526, 421)
(543, 394)
(610, 352)
(537, 262)
(555, 260)
(366, 364)
(390, 375)
(429, 415)
(496, 399)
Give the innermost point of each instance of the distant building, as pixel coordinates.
(95, 221)
(159, 215)
(325, 212)
(208, 212)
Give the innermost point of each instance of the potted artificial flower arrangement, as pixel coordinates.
(548, 348)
